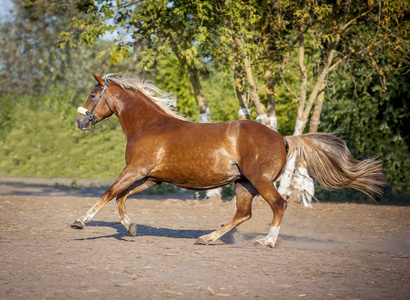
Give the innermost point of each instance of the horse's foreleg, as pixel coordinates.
(137, 187)
(126, 178)
(245, 192)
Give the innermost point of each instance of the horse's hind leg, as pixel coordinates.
(245, 192)
(278, 206)
(138, 187)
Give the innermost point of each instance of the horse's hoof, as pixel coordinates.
(77, 225)
(132, 229)
(201, 241)
(262, 243)
(259, 244)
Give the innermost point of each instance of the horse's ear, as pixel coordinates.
(98, 78)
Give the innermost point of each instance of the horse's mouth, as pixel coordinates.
(83, 127)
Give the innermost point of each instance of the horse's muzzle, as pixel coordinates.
(83, 123)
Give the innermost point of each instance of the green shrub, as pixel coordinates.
(40, 139)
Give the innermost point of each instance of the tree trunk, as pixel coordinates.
(199, 95)
(243, 113)
(303, 182)
(251, 82)
(315, 118)
(270, 82)
(286, 178)
(303, 88)
(304, 110)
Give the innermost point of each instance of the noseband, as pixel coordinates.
(83, 111)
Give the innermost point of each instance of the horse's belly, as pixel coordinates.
(197, 175)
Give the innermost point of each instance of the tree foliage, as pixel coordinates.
(374, 118)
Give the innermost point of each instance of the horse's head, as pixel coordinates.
(95, 110)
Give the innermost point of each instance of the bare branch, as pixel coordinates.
(332, 67)
(345, 26)
(284, 82)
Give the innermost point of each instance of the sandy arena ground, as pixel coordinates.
(333, 251)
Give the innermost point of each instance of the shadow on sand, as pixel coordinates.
(144, 230)
(232, 237)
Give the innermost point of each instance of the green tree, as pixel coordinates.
(375, 118)
(335, 31)
(175, 27)
(29, 58)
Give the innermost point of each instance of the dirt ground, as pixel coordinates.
(333, 251)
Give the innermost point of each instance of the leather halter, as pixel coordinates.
(83, 111)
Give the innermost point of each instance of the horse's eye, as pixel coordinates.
(92, 96)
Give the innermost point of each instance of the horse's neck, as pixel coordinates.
(136, 111)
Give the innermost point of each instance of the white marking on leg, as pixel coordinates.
(89, 215)
(273, 235)
(125, 220)
(270, 239)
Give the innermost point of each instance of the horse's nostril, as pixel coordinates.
(77, 124)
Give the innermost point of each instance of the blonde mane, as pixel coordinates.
(156, 95)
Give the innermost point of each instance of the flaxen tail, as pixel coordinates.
(330, 162)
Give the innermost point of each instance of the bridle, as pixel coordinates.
(83, 111)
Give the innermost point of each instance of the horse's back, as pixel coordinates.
(240, 139)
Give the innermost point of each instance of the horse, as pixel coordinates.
(164, 147)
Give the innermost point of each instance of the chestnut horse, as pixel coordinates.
(163, 147)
